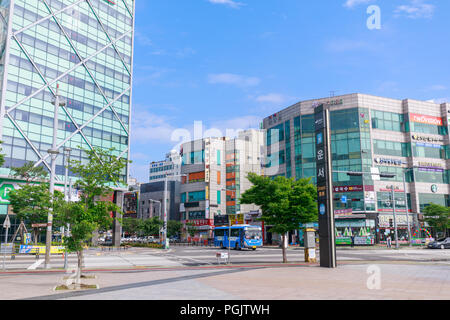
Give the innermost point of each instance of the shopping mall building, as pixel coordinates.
(407, 138)
(84, 46)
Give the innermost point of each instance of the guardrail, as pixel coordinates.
(203, 243)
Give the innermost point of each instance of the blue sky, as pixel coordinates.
(230, 63)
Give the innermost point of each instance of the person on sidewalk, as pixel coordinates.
(353, 240)
(389, 242)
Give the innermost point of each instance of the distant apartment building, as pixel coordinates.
(171, 166)
(408, 138)
(215, 171)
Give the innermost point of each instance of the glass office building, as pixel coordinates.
(85, 47)
(408, 138)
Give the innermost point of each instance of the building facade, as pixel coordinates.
(215, 172)
(85, 47)
(171, 166)
(151, 200)
(408, 138)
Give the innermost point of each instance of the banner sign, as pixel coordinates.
(41, 249)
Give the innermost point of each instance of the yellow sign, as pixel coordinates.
(237, 219)
(41, 249)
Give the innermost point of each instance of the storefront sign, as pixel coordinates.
(343, 212)
(348, 189)
(393, 162)
(436, 121)
(202, 222)
(426, 139)
(429, 145)
(385, 219)
(430, 167)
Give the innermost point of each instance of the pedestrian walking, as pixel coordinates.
(353, 240)
(389, 242)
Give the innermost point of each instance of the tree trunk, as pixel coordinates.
(80, 267)
(284, 248)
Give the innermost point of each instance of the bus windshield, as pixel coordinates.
(253, 234)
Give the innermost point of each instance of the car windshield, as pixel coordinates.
(253, 234)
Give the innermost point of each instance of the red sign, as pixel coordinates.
(203, 222)
(419, 118)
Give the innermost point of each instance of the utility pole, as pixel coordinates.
(54, 154)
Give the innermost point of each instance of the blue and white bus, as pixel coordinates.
(242, 236)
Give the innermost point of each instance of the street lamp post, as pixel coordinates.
(160, 205)
(54, 153)
(66, 195)
(395, 217)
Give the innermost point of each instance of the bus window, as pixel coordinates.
(253, 234)
(219, 233)
(235, 232)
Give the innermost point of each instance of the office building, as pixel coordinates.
(408, 138)
(85, 47)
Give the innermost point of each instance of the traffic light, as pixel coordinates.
(391, 223)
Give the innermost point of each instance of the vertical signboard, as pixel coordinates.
(325, 189)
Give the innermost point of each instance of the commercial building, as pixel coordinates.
(85, 47)
(215, 172)
(408, 138)
(151, 200)
(171, 166)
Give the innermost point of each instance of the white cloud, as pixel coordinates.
(233, 79)
(344, 45)
(272, 98)
(353, 3)
(437, 87)
(416, 9)
(148, 127)
(229, 3)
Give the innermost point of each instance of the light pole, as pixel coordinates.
(54, 153)
(395, 217)
(66, 195)
(166, 179)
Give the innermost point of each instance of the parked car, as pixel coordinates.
(440, 244)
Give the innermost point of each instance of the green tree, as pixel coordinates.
(131, 225)
(438, 217)
(32, 201)
(285, 203)
(152, 226)
(2, 156)
(96, 177)
(174, 228)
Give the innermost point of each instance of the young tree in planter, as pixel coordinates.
(96, 178)
(438, 217)
(285, 203)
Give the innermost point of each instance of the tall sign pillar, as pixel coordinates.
(325, 189)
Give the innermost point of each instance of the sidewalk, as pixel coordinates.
(350, 281)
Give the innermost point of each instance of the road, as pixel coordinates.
(179, 256)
